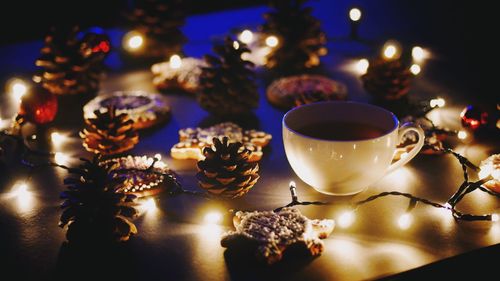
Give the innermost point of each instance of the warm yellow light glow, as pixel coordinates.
(17, 88)
(495, 217)
(415, 69)
(404, 221)
(390, 51)
(246, 36)
(57, 138)
(148, 205)
(133, 41)
(272, 41)
(292, 183)
(175, 61)
(23, 196)
(346, 219)
(447, 206)
(212, 218)
(61, 158)
(246, 56)
(418, 54)
(236, 45)
(158, 156)
(462, 135)
(355, 14)
(437, 102)
(362, 66)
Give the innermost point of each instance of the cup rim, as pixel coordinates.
(396, 121)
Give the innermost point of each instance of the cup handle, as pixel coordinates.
(403, 130)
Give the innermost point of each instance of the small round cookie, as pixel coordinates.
(292, 91)
(145, 109)
(138, 178)
(184, 77)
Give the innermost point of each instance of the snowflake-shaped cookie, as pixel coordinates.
(193, 140)
(274, 232)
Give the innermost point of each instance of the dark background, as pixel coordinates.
(462, 31)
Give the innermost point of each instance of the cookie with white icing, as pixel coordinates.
(292, 91)
(273, 232)
(193, 140)
(138, 178)
(184, 77)
(145, 109)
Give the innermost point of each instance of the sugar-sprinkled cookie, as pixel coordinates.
(185, 77)
(145, 109)
(297, 90)
(193, 140)
(138, 180)
(273, 232)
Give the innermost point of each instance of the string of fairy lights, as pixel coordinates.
(133, 41)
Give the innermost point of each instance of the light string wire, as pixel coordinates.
(177, 188)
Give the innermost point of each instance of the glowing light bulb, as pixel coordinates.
(362, 66)
(213, 218)
(355, 14)
(246, 56)
(462, 135)
(415, 69)
(61, 158)
(391, 50)
(236, 45)
(292, 184)
(418, 54)
(20, 191)
(437, 102)
(175, 61)
(447, 206)
(158, 156)
(495, 217)
(17, 88)
(148, 205)
(272, 41)
(246, 36)
(133, 41)
(346, 219)
(405, 221)
(57, 138)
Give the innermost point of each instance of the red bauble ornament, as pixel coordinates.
(474, 118)
(38, 106)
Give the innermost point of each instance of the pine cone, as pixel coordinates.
(226, 170)
(387, 79)
(93, 209)
(302, 41)
(69, 65)
(160, 22)
(227, 84)
(109, 133)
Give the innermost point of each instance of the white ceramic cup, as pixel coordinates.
(340, 167)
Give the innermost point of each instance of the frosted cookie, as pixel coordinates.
(184, 77)
(145, 109)
(273, 232)
(138, 180)
(193, 140)
(297, 90)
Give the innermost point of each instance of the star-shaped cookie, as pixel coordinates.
(273, 232)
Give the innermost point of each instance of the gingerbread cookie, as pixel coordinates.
(137, 179)
(193, 140)
(273, 232)
(185, 77)
(145, 109)
(293, 91)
